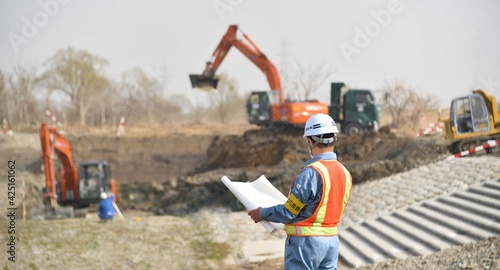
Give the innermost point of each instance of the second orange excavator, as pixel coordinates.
(264, 108)
(69, 185)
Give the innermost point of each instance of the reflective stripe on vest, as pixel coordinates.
(334, 200)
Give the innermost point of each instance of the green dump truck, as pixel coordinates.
(356, 110)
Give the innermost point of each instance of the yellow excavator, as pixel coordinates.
(474, 120)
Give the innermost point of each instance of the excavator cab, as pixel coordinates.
(474, 120)
(259, 106)
(469, 114)
(94, 178)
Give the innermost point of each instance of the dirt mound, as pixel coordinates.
(180, 173)
(377, 155)
(261, 147)
(270, 148)
(279, 156)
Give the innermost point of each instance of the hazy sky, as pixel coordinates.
(444, 48)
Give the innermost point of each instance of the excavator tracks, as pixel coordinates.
(425, 227)
(466, 144)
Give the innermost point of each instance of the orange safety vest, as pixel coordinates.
(337, 183)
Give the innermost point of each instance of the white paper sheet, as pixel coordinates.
(257, 193)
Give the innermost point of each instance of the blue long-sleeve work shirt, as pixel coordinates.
(307, 188)
(106, 209)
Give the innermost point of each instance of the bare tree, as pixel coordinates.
(404, 103)
(141, 92)
(79, 74)
(105, 102)
(307, 79)
(223, 97)
(21, 86)
(4, 114)
(182, 101)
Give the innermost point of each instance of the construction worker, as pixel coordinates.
(106, 210)
(316, 202)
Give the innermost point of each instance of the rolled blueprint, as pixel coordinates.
(259, 193)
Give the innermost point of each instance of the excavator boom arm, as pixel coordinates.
(251, 51)
(221, 51)
(48, 163)
(52, 143)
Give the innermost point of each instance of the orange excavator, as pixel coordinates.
(71, 186)
(264, 107)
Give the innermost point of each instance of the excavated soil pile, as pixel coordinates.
(381, 153)
(279, 156)
(180, 173)
(255, 148)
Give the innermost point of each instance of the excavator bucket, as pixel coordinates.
(203, 82)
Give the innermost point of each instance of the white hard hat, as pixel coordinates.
(320, 124)
(104, 196)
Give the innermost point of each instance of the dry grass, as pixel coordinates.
(148, 242)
